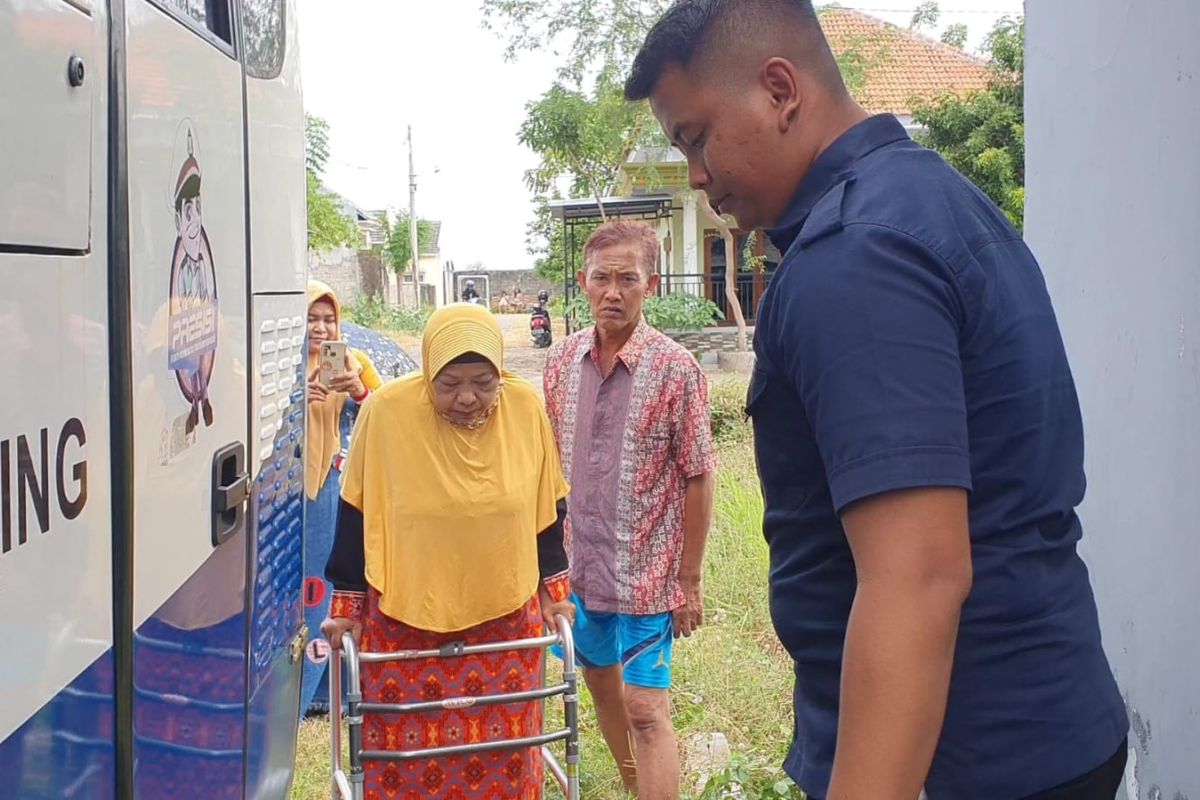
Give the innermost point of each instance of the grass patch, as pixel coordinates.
(731, 677)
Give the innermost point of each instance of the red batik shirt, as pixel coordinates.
(629, 441)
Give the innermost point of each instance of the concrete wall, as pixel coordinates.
(506, 280)
(1113, 178)
(358, 272)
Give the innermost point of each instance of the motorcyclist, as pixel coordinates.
(541, 310)
(469, 294)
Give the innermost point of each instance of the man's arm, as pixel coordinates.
(697, 518)
(695, 457)
(913, 557)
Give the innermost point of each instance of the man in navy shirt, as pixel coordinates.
(918, 434)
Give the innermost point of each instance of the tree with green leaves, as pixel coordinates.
(583, 136)
(316, 144)
(955, 35)
(328, 227)
(925, 16)
(585, 139)
(983, 135)
(601, 37)
(398, 249)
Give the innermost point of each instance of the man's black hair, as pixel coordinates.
(689, 26)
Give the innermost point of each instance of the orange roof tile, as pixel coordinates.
(901, 68)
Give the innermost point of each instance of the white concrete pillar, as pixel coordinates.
(692, 264)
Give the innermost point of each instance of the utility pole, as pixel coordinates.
(412, 222)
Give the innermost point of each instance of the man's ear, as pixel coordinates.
(652, 285)
(782, 82)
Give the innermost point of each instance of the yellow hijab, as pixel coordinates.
(323, 440)
(451, 515)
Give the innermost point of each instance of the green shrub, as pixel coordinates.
(677, 311)
(579, 312)
(680, 311)
(373, 313)
(750, 780)
(727, 408)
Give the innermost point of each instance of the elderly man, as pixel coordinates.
(630, 409)
(917, 430)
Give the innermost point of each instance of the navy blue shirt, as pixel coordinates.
(907, 340)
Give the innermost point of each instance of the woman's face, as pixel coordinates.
(322, 325)
(464, 391)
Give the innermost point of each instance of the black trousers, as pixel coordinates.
(1099, 784)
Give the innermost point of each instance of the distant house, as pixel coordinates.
(900, 69)
(430, 269)
(894, 71)
(372, 228)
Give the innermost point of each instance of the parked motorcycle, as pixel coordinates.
(539, 323)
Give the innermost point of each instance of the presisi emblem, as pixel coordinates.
(192, 330)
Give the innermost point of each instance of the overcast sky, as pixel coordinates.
(371, 67)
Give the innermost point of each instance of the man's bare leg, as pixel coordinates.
(608, 693)
(649, 714)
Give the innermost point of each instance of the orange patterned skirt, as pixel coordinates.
(495, 776)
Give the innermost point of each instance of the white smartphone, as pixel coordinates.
(332, 362)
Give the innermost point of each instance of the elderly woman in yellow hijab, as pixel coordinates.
(331, 415)
(450, 530)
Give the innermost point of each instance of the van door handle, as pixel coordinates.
(229, 496)
(230, 488)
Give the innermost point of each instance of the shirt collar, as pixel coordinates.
(831, 168)
(630, 354)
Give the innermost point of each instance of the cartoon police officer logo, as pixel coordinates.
(192, 331)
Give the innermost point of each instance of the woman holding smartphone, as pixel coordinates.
(333, 402)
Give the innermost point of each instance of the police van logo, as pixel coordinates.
(192, 331)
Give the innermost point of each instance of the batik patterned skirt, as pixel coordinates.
(495, 776)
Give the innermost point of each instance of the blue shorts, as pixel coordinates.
(640, 644)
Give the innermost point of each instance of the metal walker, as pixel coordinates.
(349, 785)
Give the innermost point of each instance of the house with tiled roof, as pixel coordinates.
(888, 69)
(895, 70)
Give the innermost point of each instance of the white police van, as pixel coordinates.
(152, 269)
